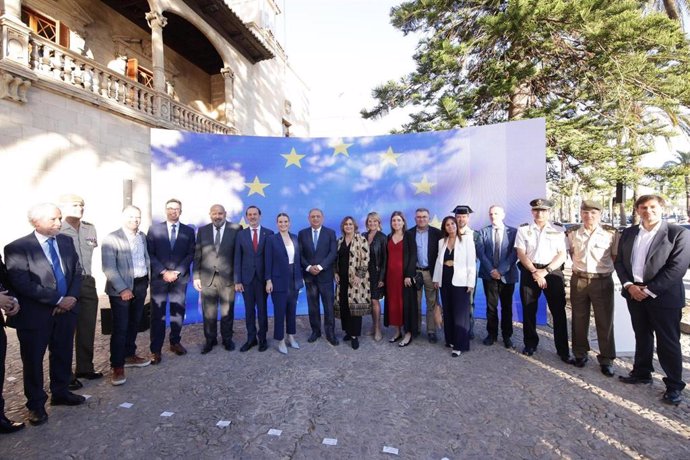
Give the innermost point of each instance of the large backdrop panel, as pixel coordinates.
(500, 164)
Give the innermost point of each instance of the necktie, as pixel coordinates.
(497, 246)
(57, 268)
(216, 240)
(173, 236)
(255, 240)
(316, 238)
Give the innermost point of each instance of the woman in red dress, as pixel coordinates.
(401, 298)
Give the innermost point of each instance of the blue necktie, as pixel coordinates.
(173, 236)
(316, 238)
(57, 268)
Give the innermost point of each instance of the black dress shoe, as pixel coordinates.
(208, 346)
(8, 426)
(672, 397)
(567, 359)
(248, 345)
(489, 340)
(579, 362)
(346, 338)
(263, 345)
(432, 337)
(607, 370)
(69, 399)
(529, 351)
(333, 341)
(229, 345)
(508, 343)
(75, 384)
(313, 337)
(635, 379)
(89, 375)
(38, 417)
(355, 343)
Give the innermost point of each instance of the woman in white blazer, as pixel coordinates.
(455, 274)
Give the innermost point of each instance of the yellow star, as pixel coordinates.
(424, 186)
(243, 223)
(293, 158)
(435, 222)
(390, 157)
(256, 186)
(341, 149)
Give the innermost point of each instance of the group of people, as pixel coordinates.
(48, 293)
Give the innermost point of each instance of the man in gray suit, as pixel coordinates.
(126, 267)
(214, 257)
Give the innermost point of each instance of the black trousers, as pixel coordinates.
(324, 291)
(161, 293)
(650, 319)
(86, 326)
(255, 308)
(495, 291)
(3, 354)
(555, 298)
(126, 319)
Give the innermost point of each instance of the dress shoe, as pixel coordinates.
(567, 359)
(178, 349)
(290, 340)
(607, 370)
(355, 343)
(333, 341)
(137, 361)
(117, 376)
(8, 426)
(89, 375)
(396, 338)
(672, 397)
(529, 351)
(263, 345)
(156, 358)
(488, 341)
(313, 337)
(282, 347)
(346, 338)
(405, 341)
(248, 345)
(68, 399)
(635, 379)
(38, 416)
(75, 384)
(455, 353)
(229, 345)
(208, 346)
(579, 362)
(508, 343)
(432, 337)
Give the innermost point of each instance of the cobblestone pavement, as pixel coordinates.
(489, 403)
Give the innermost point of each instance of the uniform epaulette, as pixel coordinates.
(526, 224)
(86, 223)
(573, 228)
(557, 224)
(609, 228)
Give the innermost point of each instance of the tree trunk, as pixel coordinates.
(519, 101)
(671, 7)
(687, 195)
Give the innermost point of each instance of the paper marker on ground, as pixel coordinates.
(274, 432)
(86, 396)
(390, 450)
(167, 414)
(330, 441)
(223, 423)
(126, 405)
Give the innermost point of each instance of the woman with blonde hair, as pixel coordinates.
(377, 267)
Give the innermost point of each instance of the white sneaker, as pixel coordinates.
(292, 342)
(281, 347)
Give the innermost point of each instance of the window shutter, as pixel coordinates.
(132, 68)
(64, 35)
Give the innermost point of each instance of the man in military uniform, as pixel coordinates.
(85, 241)
(593, 249)
(541, 250)
(462, 217)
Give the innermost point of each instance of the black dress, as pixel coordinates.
(352, 325)
(377, 263)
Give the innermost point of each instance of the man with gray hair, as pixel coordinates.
(44, 270)
(126, 267)
(83, 235)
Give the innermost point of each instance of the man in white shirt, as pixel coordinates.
(652, 259)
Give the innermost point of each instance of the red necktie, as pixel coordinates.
(255, 240)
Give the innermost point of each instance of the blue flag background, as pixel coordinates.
(500, 164)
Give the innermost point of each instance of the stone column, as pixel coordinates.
(14, 35)
(11, 8)
(156, 22)
(229, 78)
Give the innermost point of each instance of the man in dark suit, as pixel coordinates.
(499, 273)
(171, 249)
(213, 266)
(9, 306)
(318, 252)
(249, 277)
(426, 238)
(45, 274)
(652, 259)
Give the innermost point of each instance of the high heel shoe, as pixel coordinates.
(281, 347)
(396, 338)
(406, 341)
(292, 342)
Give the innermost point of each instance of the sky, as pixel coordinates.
(343, 49)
